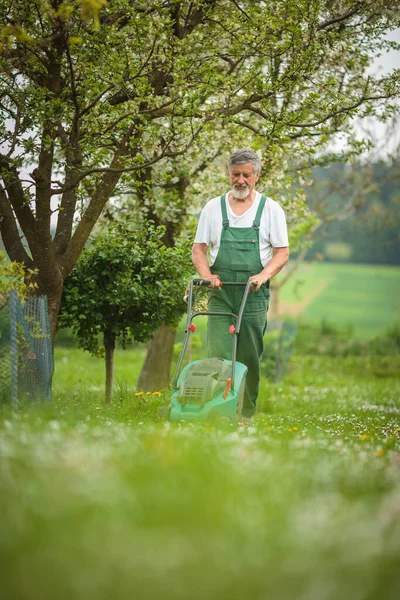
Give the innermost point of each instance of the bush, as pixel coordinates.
(329, 340)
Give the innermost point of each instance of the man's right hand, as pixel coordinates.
(213, 279)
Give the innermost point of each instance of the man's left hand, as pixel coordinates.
(259, 280)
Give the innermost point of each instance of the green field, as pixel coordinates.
(363, 297)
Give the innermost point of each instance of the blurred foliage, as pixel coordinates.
(330, 340)
(359, 207)
(13, 276)
(126, 283)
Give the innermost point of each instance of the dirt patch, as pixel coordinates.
(295, 309)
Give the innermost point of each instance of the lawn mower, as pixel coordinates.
(211, 388)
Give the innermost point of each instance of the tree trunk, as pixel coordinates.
(273, 309)
(50, 283)
(155, 373)
(109, 346)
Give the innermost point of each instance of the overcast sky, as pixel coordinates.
(386, 140)
(389, 61)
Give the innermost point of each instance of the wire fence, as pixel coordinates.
(26, 353)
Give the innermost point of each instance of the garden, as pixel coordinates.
(117, 120)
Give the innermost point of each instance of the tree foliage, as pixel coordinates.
(368, 200)
(13, 277)
(126, 282)
(94, 92)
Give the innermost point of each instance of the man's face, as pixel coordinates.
(242, 179)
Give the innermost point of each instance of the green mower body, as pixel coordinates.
(202, 393)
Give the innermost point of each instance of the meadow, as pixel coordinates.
(112, 501)
(363, 298)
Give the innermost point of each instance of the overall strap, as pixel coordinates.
(260, 209)
(225, 220)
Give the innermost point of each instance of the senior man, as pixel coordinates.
(241, 236)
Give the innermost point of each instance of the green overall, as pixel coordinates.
(238, 259)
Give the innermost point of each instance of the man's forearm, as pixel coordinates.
(277, 262)
(200, 261)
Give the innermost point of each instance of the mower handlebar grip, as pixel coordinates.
(206, 282)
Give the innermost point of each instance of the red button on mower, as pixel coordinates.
(232, 329)
(192, 327)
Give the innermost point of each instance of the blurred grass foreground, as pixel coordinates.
(102, 502)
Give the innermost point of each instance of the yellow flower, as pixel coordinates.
(139, 393)
(157, 394)
(363, 436)
(147, 393)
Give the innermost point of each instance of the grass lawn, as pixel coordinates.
(101, 502)
(75, 369)
(364, 297)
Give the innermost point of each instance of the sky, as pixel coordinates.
(391, 60)
(387, 140)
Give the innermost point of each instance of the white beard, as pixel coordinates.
(240, 194)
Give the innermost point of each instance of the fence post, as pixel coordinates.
(13, 299)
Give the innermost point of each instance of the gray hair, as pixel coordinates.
(241, 157)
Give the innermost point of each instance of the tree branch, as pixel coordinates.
(89, 107)
(100, 197)
(118, 170)
(69, 197)
(10, 234)
(346, 109)
(42, 177)
(340, 18)
(17, 201)
(17, 123)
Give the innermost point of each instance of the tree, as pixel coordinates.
(366, 195)
(127, 283)
(93, 92)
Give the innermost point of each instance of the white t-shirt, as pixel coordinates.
(273, 229)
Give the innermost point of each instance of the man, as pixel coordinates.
(246, 236)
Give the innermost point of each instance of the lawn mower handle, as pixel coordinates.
(205, 282)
